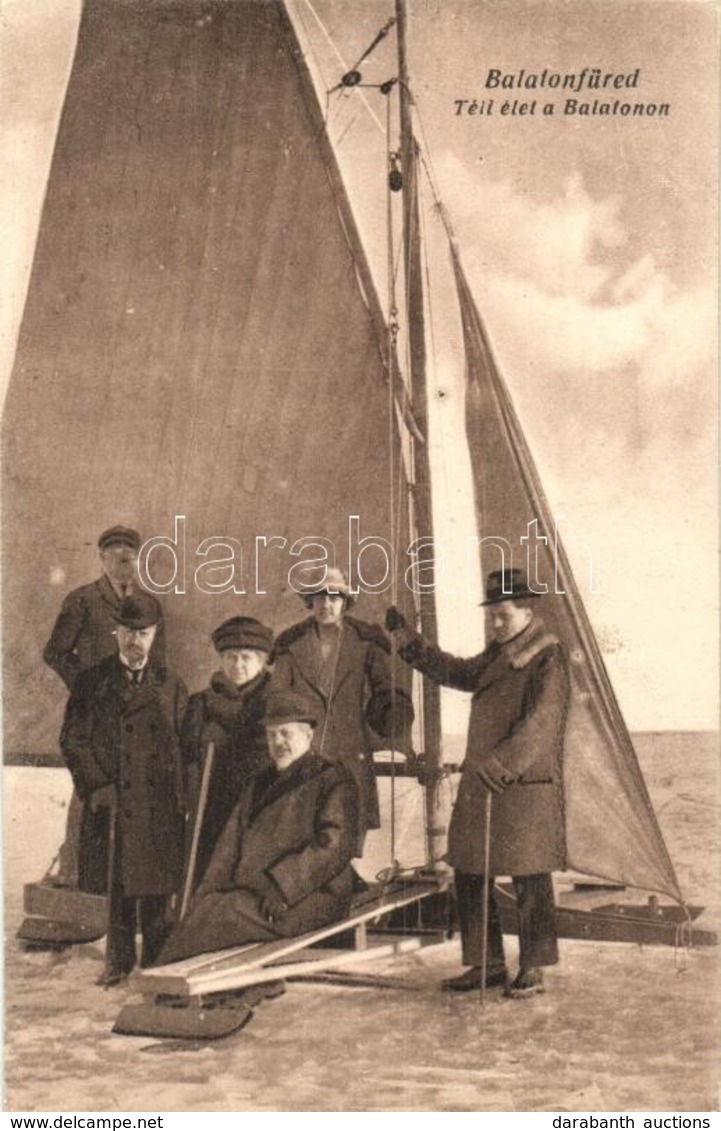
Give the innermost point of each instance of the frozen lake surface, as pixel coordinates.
(622, 1028)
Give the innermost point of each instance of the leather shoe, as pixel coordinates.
(112, 978)
(471, 980)
(526, 983)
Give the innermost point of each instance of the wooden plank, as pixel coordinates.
(175, 978)
(662, 926)
(237, 979)
(65, 904)
(36, 930)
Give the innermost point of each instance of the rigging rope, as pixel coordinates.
(353, 76)
(392, 323)
(342, 62)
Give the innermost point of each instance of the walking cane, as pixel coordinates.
(199, 814)
(486, 895)
(112, 827)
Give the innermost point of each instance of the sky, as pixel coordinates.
(591, 246)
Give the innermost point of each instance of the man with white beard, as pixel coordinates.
(282, 865)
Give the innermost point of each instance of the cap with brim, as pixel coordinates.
(507, 585)
(243, 632)
(334, 583)
(119, 536)
(287, 707)
(141, 610)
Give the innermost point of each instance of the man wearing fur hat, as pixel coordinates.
(520, 688)
(83, 635)
(228, 713)
(342, 666)
(282, 865)
(121, 743)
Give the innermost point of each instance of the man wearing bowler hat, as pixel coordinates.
(83, 635)
(121, 742)
(282, 865)
(512, 775)
(342, 665)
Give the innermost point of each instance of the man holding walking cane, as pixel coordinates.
(508, 819)
(121, 742)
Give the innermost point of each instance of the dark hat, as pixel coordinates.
(119, 536)
(507, 585)
(334, 583)
(243, 632)
(287, 707)
(139, 611)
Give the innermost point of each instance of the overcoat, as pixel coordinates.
(115, 733)
(515, 750)
(82, 635)
(355, 702)
(230, 717)
(294, 830)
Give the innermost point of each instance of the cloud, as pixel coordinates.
(564, 296)
(610, 361)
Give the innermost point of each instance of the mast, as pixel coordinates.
(415, 318)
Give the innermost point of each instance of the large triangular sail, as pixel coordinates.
(201, 338)
(611, 827)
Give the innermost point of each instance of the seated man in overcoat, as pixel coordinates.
(282, 865)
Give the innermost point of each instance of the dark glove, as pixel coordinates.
(387, 714)
(394, 619)
(104, 798)
(272, 904)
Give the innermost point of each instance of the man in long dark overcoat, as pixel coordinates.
(282, 865)
(121, 742)
(342, 666)
(83, 635)
(520, 688)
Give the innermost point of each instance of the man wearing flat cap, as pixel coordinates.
(342, 665)
(121, 742)
(520, 688)
(282, 865)
(84, 634)
(229, 714)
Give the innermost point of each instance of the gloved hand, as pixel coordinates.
(387, 714)
(272, 904)
(494, 775)
(104, 798)
(395, 619)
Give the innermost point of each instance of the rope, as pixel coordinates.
(51, 865)
(380, 36)
(353, 76)
(342, 62)
(392, 340)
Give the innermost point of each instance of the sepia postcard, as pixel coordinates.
(335, 333)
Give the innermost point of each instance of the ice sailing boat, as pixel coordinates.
(201, 320)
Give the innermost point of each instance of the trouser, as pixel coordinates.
(536, 921)
(126, 915)
(149, 912)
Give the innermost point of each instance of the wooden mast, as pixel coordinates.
(415, 320)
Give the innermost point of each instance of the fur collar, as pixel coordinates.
(524, 647)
